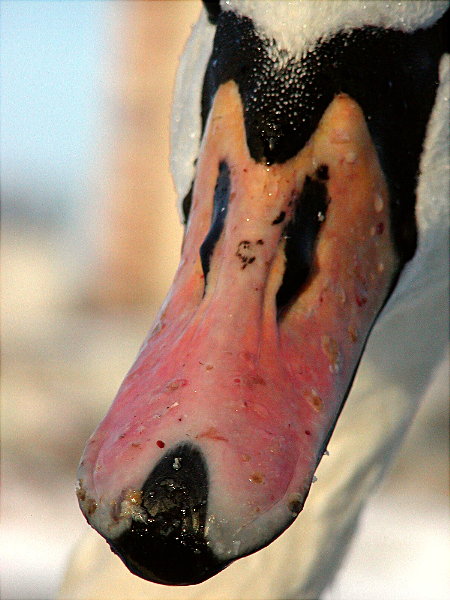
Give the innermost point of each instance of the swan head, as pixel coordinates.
(297, 157)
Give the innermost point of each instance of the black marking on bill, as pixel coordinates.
(301, 234)
(245, 253)
(186, 204)
(221, 198)
(393, 75)
(322, 172)
(280, 218)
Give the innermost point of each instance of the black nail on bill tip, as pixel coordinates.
(167, 543)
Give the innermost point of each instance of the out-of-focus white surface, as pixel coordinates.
(401, 553)
(331, 16)
(402, 549)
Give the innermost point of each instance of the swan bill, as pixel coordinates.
(210, 447)
(300, 218)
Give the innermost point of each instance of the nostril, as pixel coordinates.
(220, 207)
(166, 543)
(301, 237)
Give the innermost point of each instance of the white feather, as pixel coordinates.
(324, 18)
(186, 118)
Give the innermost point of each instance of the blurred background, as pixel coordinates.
(90, 241)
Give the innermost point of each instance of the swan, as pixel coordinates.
(306, 230)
